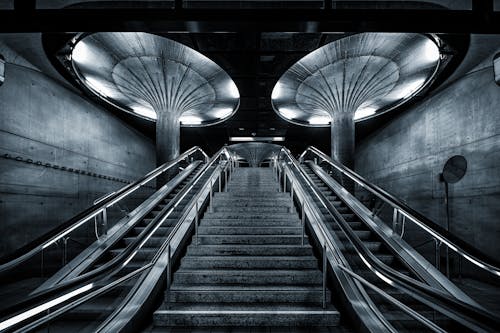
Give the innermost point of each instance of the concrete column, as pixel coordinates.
(342, 137)
(168, 133)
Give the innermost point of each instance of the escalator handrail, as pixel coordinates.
(26, 252)
(325, 235)
(465, 250)
(440, 301)
(113, 266)
(163, 247)
(403, 307)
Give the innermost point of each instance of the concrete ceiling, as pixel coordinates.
(149, 75)
(362, 74)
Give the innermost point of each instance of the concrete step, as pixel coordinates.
(252, 209)
(249, 250)
(206, 222)
(251, 239)
(253, 230)
(246, 276)
(249, 215)
(261, 202)
(249, 262)
(270, 185)
(247, 294)
(246, 315)
(242, 200)
(255, 194)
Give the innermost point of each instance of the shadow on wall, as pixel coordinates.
(43, 121)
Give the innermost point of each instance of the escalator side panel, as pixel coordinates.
(88, 256)
(408, 256)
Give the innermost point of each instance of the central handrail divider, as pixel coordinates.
(454, 243)
(23, 254)
(471, 316)
(89, 279)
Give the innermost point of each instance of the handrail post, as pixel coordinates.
(438, 254)
(284, 180)
(169, 267)
(395, 216)
(220, 183)
(65, 250)
(278, 176)
(324, 276)
(211, 197)
(105, 221)
(303, 221)
(196, 221)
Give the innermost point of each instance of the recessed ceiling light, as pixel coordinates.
(272, 129)
(241, 128)
(256, 138)
(190, 120)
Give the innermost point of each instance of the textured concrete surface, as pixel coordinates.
(226, 280)
(43, 121)
(407, 156)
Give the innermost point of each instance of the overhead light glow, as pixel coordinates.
(288, 113)
(319, 120)
(99, 86)
(144, 111)
(256, 138)
(233, 90)
(364, 112)
(277, 90)
(431, 51)
(408, 89)
(81, 53)
(191, 120)
(223, 112)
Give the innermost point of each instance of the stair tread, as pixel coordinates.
(244, 287)
(228, 307)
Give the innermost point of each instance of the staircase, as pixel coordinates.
(248, 266)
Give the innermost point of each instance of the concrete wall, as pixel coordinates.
(90, 153)
(406, 157)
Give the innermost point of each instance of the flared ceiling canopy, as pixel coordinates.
(146, 75)
(254, 152)
(364, 74)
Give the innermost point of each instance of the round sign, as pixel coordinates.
(454, 169)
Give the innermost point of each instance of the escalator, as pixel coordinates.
(94, 312)
(377, 246)
(91, 287)
(201, 257)
(403, 291)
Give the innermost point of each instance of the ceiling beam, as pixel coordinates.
(480, 20)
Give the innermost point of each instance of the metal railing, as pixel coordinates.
(54, 236)
(402, 211)
(473, 317)
(81, 290)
